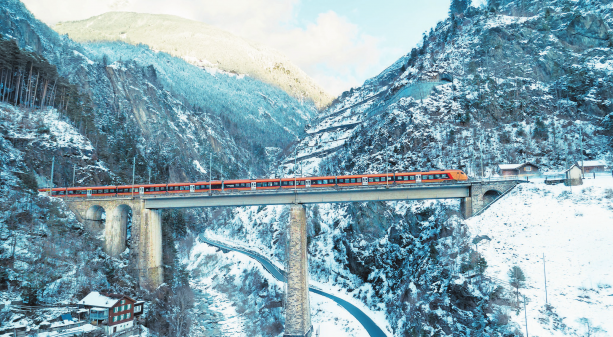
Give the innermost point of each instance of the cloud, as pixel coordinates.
(332, 50)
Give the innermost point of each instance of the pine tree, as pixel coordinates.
(458, 7)
(517, 279)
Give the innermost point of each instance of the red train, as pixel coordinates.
(261, 184)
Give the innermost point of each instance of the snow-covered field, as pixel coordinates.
(573, 228)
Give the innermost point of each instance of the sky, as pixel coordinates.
(338, 43)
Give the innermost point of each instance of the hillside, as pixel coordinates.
(506, 83)
(570, 228)
(118, 103)
(201, 45)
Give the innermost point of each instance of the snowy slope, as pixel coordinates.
(201, 45)
(573, 227)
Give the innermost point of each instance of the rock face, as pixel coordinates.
(589, 31)
(201, 45)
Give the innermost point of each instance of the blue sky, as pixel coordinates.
(339, 43)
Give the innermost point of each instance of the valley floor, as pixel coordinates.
(573, 228)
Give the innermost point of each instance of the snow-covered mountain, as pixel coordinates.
(506, 83)
(201, 45)
(509, 82)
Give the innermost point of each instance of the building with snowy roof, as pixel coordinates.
(113, 312)
(590, 166)
(573, 176)
(525, 169)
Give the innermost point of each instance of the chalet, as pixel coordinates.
(524, 169)
(590, 166)
(114, 312)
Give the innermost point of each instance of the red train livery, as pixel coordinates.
(261, 184)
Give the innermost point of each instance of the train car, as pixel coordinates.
(366, 179)
(102, 191)
(352, 180)
(430, 177)
(59, 192)
(126, 190)
(239, 185)
(289, 182)
(265, 184)
(181, 188)
(77, 192)
(320, 182)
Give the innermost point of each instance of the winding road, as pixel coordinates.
(371, 327)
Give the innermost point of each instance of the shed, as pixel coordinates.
(518, 169)
(573, 176)
(590, 166)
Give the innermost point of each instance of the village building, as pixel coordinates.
(113, 312)
(525, 169)
(591, 166)
(573, 176)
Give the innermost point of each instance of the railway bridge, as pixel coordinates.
(146, 220)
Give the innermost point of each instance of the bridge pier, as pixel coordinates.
(150, 248)
(466, 207)
(297, 306)
(146, 251)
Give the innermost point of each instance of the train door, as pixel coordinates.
(89, 193)
(192, 188)
(253, 185)
(307, 183)
(418, 178)
(364, 180)
(141, 190)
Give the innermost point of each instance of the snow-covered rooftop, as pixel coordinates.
(513, 166)
(592, 163)
(95, 299)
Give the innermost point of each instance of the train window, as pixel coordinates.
(342, 181)
(430, 177)
(70, 192)
(276, 183)
(411, 177)
(258, 184)
(377, 179)
(370, 180)
(157, 189)
(353, 180)
(163, 188)
(325, 181)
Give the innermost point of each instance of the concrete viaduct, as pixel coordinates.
(146, 228)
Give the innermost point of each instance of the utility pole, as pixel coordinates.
(51, 184)
(74, 171)
(133, 173)
(545, 273)
(149, 169)
(526, 316)
(295, 154)
(581, 144)
(210, 171)
(386, 167)
(481, 150)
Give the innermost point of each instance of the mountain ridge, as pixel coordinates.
(199, 44)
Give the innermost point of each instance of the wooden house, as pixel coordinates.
(114, 312)
(591, 166)
(525, 169)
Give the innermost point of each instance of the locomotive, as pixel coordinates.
(221, 186)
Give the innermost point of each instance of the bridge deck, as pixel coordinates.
(303, 196)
